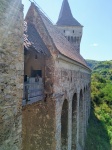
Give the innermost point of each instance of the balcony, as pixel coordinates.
(33, 91)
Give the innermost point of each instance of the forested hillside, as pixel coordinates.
(99, 136)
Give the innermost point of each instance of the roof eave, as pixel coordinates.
(63, 57)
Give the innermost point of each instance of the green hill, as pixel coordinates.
(92, 63)
(101, 94)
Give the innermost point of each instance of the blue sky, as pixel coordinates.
(94, 15)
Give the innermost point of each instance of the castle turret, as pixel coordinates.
(69, 26)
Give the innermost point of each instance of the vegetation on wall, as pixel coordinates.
(100, 122)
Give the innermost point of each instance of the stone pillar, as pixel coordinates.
(58, 125)
(81, 115)
(83, 121)
(87, 111)
(11, 73)
(89, 100)
(70, 125)
(85, 97)
(77, 143)
(86, 108)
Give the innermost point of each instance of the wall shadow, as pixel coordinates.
(97, 136)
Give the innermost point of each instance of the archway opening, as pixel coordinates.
(74, 121)
(64, 126)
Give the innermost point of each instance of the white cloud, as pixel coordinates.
(94, 45)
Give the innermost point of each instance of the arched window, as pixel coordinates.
(64, 126)
(68, 38)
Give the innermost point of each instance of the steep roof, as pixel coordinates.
(65, 17)
(62, 45)
(33, 40)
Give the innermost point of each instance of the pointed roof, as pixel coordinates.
(65, 17)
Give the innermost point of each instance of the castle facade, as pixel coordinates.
(45, 90)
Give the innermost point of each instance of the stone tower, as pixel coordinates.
(69, 26)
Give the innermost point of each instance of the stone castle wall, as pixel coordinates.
(39, 126)
(71, 83)
(57, 122)
(11, 73)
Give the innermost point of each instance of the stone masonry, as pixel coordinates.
(59, 120)
(11, 73)
(62, 123)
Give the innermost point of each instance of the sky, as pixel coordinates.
(94, 15)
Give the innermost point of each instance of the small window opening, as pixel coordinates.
(36, 56)
(25, 78)
(75, 39)
(71, 38)
(73, 31)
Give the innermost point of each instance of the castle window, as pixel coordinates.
(36, 56)
(68, 38)
(75, 39)
(73, 31)
(71, 38)
(64, 31)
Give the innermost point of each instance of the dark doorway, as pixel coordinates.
(64, 126)
(34, 73)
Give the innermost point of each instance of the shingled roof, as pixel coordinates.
(65, 17)
(33, 40)
(62, 45)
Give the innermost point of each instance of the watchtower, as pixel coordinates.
(69, 26)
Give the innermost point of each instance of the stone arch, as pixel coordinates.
(74, 121)
(64, 126)
(84, 115)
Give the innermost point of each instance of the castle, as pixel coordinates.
(45, 82)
